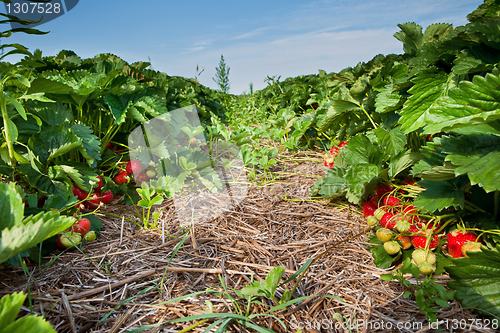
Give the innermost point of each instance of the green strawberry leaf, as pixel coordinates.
(32, 231)
(29, 324)
(439, 195)
(91, 146)
(392, 141)
(11, 206)
(10, 305)
(470, 103)
(431, 85)
(477, 280)
(361, 150)
(478, 156)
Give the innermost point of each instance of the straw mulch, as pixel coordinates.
(266, 229)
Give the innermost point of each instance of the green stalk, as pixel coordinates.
(370, 118)
(5, 116)
(495, 212)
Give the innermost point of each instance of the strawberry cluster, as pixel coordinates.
(401, 227)
(75, 234)
(93, 198)
(134, 169)
(330, 156)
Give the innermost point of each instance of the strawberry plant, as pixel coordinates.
(19, 233)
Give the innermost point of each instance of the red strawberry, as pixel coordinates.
(456, 239)
(93, 202)
(99, 184)
(80, 194)
(411, 212)
(391, 201)
(142, 177)
(382, 189)
(419, 241)
(133, 167)
(334, 151)
(387, 221)
(110, 146)
(343, 144)
(122, 177)
(328, 165)
(106, 197)
(375, 198)
(369, 208)
(81, 227)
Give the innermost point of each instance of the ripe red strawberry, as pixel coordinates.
(133, 167)
(375, 198)
(106, 197)
(410, 211)
(99, 184)
(369, 208)
(334, 151)
(387, 221)
(80, 194)
(142, 177)
(391, 201)
(93, 202)
(383, 189)
(110, 146)
(419, 241)
(343, 144)
(328, 165)
(81, 227)
(456, 239)
(122, 177)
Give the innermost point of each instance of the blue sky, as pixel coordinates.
(257, 38)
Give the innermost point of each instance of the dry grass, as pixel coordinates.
(259, 233)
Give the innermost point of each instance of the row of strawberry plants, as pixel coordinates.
(66, 126)
(433, 123)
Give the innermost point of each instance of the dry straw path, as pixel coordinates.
(275, 225)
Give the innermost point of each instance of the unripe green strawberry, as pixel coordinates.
(471, 247)
(90, 236)
(151, 173)
(371, 220)
(68, 239)
(421, 255)
(384, 235)
(379, 212)
(392, 247)
(402, 224)
(426, 268)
